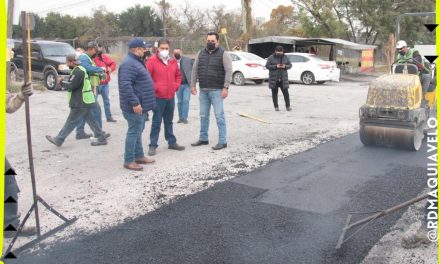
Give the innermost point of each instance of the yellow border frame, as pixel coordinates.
(437, 49)
(3, 27)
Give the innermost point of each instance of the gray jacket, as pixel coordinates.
(186, 66)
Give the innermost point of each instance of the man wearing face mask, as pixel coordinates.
(104, 61)
(411, 55)
(184, 93)
(94, 72)
(213, 69)
(147, 53)
(278, 64)
(167, 79)
(81, 102)
(136, 96)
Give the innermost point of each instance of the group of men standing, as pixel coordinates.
(150, 82)
(147, 82)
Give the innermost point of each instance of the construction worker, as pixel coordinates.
(95, 74)
(81, 102)
(11, 216)
(406, 54)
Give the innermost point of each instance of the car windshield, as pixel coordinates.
(59, 50)
(250, 56)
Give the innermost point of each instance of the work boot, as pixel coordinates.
(144, 160)
(26, 231)
(54, 141)
(133, 166)
(152, 151)
(176, 147)
(219, 146)
(199, 143)
(83, 136)
(99, 143)
(415, 239)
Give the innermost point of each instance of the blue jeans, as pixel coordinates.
(97, 115)
(164, 110)
(77, 115)
(214, 98)
(183, 96)
(103, 90)
(133, 139)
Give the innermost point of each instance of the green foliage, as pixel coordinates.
(365, 21)
(140, 21)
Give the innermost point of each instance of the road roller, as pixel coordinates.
(396, 112)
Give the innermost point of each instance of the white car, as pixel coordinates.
(248, 67)
(308, 69)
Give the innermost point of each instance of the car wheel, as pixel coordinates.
(238, 78)
(320, 82)
(50, 80)
(307, 78)
(258, 81)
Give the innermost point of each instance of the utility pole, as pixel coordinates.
(246, 15)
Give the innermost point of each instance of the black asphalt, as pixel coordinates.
(290, 211)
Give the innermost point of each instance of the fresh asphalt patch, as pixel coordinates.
(290, 211)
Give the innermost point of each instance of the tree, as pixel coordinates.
(282, 22)
(103, 25)
(140, 21)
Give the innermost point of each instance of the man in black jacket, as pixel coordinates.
(278, 64)
(81, 101)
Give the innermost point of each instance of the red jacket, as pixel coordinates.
(166, 77)
(107, 63)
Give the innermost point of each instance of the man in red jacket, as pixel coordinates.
(102, 60)
(167, 79)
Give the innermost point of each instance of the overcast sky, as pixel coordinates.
(261, 8)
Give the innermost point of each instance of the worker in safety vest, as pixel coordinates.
(81, 102)
(406, 54)
(96, 74)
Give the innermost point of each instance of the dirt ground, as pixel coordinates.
(90, 183)
(389, 250)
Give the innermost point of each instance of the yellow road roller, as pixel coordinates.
(395, 113)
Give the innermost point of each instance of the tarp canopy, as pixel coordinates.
(266, 45)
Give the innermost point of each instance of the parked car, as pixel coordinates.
(248, 67)
(48, 62)
(308, 69)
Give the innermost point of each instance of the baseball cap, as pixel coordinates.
(74, 58)
(137, 43)
(91, 44)
(401, 44)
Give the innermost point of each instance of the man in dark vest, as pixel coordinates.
(81, 101)
(213, 68)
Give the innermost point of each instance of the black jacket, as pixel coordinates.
(76, 80)
(275, 73)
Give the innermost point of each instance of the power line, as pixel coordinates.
(65, 6)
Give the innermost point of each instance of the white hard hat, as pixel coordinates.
(401, 44)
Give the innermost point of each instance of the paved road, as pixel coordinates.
(290, 211)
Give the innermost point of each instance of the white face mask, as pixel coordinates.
(164, 53)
